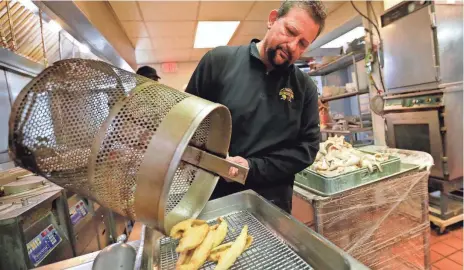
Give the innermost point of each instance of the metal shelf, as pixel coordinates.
(364, 91)
(338, 64)
(346, 132)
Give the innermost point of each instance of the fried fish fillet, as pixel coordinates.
(180, 228)
(184, 259)
(221, 232)
(200, 254)
(231, 255)
(219, 251)
(192, 238)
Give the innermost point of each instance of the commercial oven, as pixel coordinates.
(422, 42)
(430, 121)
(422, 46)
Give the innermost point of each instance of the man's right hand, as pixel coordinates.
(233, 172)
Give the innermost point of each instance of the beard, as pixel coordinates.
(272, 55)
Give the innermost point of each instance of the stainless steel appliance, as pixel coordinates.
(11, 84)
(137, 147)
(431, 121)
(422, 42)
(93, 227)
(422, 46)
(280, 241)
(34, 224)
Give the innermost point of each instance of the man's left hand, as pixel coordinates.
(233, 172)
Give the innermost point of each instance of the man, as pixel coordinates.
(148, 72)
(274, 105)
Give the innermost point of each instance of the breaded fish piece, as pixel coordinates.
(231, 255)
(184, 259)
(219, 251)
(192, 238)
(221, 232)
(200, 254)
(180, 228)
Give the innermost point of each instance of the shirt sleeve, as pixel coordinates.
(285, 162)
(202, 78)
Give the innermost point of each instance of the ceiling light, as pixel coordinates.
(29, 5)
(83, 48)
(345, 38)
(54, 26)
(213, 34)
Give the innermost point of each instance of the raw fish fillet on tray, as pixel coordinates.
(422, 159)
(336, 157)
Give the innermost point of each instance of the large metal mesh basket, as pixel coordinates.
(129, 143)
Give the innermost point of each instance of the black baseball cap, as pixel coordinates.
(148, 72)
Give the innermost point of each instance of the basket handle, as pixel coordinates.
(214, 164)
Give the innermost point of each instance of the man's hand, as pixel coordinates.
(234, 171)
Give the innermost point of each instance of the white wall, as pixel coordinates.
(178, 79)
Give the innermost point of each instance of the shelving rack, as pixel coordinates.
(335, 65)
(339, 63)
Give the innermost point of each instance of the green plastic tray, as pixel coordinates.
(327, 186)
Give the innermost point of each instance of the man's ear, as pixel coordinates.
(272, 18)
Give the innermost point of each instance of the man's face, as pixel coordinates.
(289, 36)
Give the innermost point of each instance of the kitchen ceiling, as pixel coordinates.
(164, 31)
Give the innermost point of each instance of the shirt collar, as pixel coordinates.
(254, 48)
(255, 53)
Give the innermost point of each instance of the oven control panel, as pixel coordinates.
(78, 212)
(417, 102)
(402, 10)
(44, 243)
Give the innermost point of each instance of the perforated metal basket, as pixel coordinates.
(139, 148)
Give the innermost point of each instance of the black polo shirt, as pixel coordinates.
(275, 119)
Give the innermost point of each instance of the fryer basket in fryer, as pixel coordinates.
(120, 139)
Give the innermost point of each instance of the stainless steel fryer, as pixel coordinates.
(137, 147)
(280, 241)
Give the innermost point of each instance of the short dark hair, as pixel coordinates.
(148, 72)
(315, 8)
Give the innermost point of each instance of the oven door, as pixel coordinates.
(409, 49)
(418, 131)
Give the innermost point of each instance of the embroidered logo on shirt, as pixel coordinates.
(286, 94)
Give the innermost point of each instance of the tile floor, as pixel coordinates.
(446, 250)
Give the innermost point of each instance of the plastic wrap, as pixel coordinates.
(384, 225)
(424, 160)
